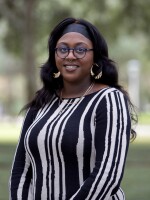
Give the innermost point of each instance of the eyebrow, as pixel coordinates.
(78, 43)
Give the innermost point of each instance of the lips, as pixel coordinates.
(71, 67)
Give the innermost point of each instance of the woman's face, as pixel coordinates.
(71, 68)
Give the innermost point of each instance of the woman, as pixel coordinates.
(76, 132)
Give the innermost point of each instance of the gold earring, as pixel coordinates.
(56, 75)
(98, 76)
(92, 73)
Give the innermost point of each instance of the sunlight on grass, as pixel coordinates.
(9, 132)
(143, 134)
(137, 172)
(144, 118)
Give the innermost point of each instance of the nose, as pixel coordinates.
(71, 54)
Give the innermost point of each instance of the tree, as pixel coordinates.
(26, 29)
(30, 21)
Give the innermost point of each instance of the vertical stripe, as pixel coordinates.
(41, 147)
(123, 144)
(30, 195)
(110, 158)
(104, 156)
(81, 140)
(55, 170)
(119, 144)
(13, 164)
(106, 142)
(56, 130)
(23, 178)
(67, 116)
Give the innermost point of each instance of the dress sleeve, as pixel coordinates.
(112, 136)
(21, 174)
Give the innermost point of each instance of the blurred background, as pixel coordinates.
(24, 30)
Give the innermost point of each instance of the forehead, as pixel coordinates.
(74, 38)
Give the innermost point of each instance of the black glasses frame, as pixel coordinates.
(74, 52)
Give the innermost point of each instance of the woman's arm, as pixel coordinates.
(21, 173)
(112, 135)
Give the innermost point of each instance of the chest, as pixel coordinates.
(63, 132)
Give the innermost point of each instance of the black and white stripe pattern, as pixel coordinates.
(73, 151)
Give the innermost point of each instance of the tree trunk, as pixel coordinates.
(29, 48)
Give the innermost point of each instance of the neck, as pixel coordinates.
(71, 90)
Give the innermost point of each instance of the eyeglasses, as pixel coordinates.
(78, 52)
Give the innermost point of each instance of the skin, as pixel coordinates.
(78, 80)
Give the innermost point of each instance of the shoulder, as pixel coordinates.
(106, 89)
(30, 114)
(111, 101)
(109, 91)
(110, 96)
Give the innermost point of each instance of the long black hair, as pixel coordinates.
(101, 58)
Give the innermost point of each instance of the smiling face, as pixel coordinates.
(71, 68)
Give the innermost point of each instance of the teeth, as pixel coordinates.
(71, 67)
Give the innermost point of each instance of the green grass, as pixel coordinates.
(9, 134)
(136, 181)
(6, 157)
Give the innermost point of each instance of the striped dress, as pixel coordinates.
(73, 150)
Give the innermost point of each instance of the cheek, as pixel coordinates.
(57, 61)
(89, 62)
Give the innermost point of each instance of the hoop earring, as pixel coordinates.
(99, 75)
(56, 75)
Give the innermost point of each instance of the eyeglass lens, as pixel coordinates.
(63, 52)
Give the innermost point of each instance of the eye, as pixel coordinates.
(63, 49)
(80, 49)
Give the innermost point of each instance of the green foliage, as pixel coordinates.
(124, 24)
(107, 15)
(138, 13)
(28, 23)
(44, 14)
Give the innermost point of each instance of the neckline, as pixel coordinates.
(87, 95)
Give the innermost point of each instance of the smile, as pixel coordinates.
(71, 67)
